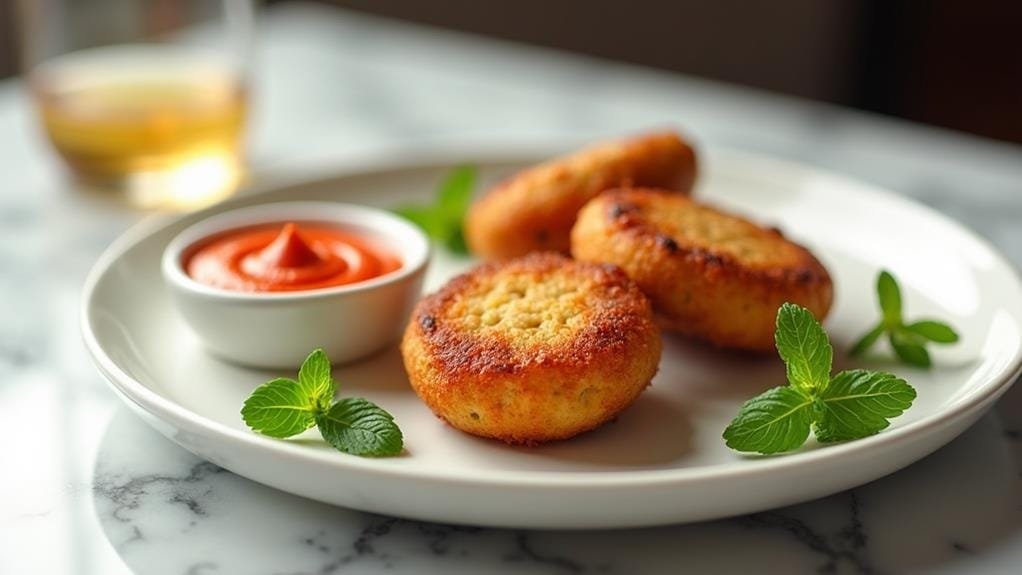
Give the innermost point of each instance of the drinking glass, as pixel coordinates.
(145, 98)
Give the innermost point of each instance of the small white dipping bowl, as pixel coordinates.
(279, 329)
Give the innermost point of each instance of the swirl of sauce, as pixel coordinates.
(288, 258)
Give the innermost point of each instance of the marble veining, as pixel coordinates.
(127, 493)
(87, 488)
(847, 547)
(159, 506)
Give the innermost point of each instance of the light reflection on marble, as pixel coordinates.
(86, 487)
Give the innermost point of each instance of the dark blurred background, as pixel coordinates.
(952, 64)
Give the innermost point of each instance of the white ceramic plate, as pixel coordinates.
(663, 460)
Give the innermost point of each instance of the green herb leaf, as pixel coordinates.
(456, 242)
(776, 420)
(890, 297)
(284, 407)
(279, 408)
(908, 349)
(907, 341)
(859, 403)
(432, 222)
(314, 377)
(934, 331)
(804, 347)
(443, 219)
(359, 427)
(853, 404)
(867, 341)
(455, 192)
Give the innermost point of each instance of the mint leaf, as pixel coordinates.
(359, 427)
(455, 192)
(284, 407)
(804, 347)
(279, 408)
(456, 242)
(853, 404)
(859, 403)
(908, 349)
(907, 341)
(314, 377)
(776, 420)
(890, 297)
(867, 341)
(934, 331)
(432, 222)
(443, 219)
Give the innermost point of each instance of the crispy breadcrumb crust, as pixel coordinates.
(535, 209)
(533, 349)
(710, 274)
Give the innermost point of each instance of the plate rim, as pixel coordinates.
(381, 161)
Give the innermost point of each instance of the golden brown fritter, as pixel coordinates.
(709, 274)
(533, 349)
(535, 209)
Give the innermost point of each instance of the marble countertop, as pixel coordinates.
(86, 487)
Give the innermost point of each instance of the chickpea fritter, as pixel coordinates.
(532, 350)
(535, 209)
(710, 275)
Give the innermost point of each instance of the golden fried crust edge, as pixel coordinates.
(456, 402)
(659, 265)
(612, 207)
(508, 221)
(538, 401)
(459, 355)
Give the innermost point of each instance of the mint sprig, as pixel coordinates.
(907, 340)
(360, 427)
(774, 421)
(858, 403)
(804, 348)
(442, 220)
(851, 405)
(285, 407)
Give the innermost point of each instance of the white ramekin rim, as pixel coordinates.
(411, 243)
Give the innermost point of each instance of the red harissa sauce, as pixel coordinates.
(275, 259)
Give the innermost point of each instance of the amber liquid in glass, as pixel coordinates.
(163, 117)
